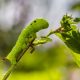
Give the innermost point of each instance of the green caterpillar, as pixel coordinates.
(27, 35)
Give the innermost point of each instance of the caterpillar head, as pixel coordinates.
(39, 24)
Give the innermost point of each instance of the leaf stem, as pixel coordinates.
(55, 31)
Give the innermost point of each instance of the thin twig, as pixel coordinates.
(8, 72)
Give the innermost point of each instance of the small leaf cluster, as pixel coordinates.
(69, 32)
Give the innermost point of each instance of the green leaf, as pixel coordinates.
(70, 36)
(70, 33)
(42, 41)
(77, 20)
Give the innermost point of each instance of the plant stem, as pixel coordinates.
(8, 72)
(56, 31)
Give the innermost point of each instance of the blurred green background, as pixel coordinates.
(51, 61)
